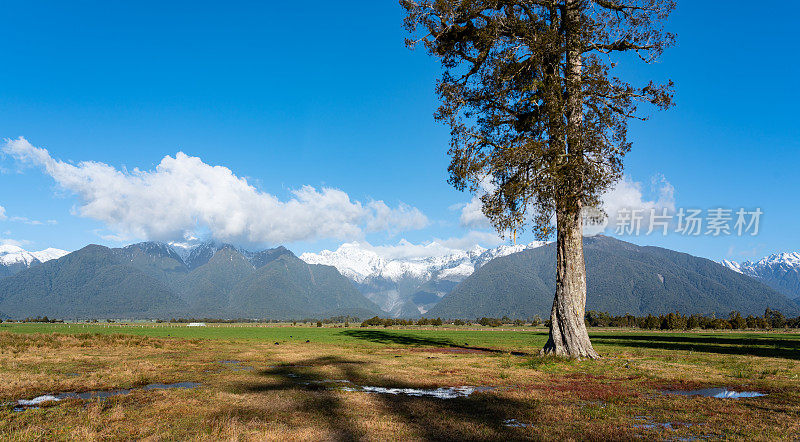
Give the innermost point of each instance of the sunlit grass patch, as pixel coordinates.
(296, 390)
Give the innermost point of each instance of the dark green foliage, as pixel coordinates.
(530, 94)
(622, 279)
(265, 257)
(490, 322)
(92, 282)
(372, 322)
(7, 270)
(149, 280)
(677, 321)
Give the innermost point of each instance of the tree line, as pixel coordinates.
(771, 319)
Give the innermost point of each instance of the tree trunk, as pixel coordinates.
(568, 336)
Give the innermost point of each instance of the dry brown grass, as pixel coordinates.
(616, 398)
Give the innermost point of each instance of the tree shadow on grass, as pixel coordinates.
(480, 416)
(323, 405)
(385, 337)
(774, 347)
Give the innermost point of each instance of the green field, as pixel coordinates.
(268, 382)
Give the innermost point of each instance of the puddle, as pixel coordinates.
(650, 424)
(236, 365)
(513, 423)
(24, 404)
(37, 400)
(439, 393)
(329, 381)
(720, 393)
(664, 425)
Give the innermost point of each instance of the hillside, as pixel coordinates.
(93, 282)
(780, 271)
(621, 278)
(151, 280)
(408, 287)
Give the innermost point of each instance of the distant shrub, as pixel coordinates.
(372, 322)
(490, 322)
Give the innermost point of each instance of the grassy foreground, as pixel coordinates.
(269, 383)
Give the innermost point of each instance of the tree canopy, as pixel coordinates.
(536, 113)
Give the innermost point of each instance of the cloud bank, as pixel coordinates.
(407, 250)
(626, 194)
(183, 195)
(437, 247)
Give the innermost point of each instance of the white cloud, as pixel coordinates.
(437, 247)
(403, 218)
(32, 222)
(183, 195)
(13, 242)
(24, 220)
(472, 214)
(626, 194)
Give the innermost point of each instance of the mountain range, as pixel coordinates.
(152, 280)
(780, 271)
(159, 280)
(621, 278)
(14, 259)
(408, 288)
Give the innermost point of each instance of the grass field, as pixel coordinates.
(268, 382)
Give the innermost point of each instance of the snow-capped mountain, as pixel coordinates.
(780, 271)
(14, 259)
(49, 253)
(408, 286)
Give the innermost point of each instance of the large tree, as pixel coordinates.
(538, 118)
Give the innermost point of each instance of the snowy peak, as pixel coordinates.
(11, 255)
(788, 260)
(735, 266)
(780, 271)
(777, 262)
(49, 254)
(351, 259)
(404, 286)
(360, 262)
(15, 259)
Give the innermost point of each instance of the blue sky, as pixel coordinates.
(326, 95)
